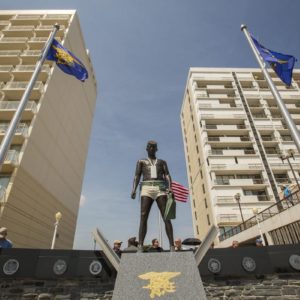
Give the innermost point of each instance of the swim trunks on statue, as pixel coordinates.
(153, 189)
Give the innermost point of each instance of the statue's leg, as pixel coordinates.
(146, 203)
(161, 202)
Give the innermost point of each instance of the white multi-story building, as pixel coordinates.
(233, 136)
(43, 171)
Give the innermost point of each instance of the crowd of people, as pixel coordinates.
(133, 246)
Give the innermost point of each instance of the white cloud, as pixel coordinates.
(82, 200)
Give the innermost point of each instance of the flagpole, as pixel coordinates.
(284, 112)
(160, 229)
(23, 102)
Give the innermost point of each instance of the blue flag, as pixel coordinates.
(282, 64)
(67, 61)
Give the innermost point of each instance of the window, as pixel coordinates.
(236, 160)
(194, 204)
(197, 229)
(223, 179)
(207, 160)
(199, 162)
(201, 174)
(197, 149)
(208, 220)
(205, 203)
(195, 215)
(203, 189)
(4, 180)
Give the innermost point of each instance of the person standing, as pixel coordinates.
(155, 246)
(117, 247)
(4, 242)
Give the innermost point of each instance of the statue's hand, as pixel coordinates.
(133, 194)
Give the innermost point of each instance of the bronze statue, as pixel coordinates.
(155, 186)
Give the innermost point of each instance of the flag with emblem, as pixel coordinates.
(67, 61)
(282, 64)
(180, 192)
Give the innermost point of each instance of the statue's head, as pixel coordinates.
(151, 147)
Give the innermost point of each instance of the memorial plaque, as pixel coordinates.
(10, 267)
(249, 264)
(294, 261)
(214, 265)
(60, 267)
(95, 267)
(165, 275)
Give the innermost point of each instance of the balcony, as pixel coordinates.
(13, 43)
(52, 19)
(4, 23)
(20, 134)
(8, 108)
(15, 89)
(30, 56)
(10, 57)
(25, 20)
(284, 166)
(221, 117)
(18, 31)
(45, 30)
(225, 128)
(216, 167)
(232, 152)
(5, 72)
(11, 161)
(241, 182)
(37, 43)
(218, 105)
(228, 140)
(24, 72)
(227, 219)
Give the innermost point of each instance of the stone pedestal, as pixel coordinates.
(166, 275)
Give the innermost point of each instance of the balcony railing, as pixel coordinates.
(13, 39)
(20, 28)
(12, 157)
(13, 105)
(239, 181)
(6, 68)
(275, 209)
(22, 85)
(30, 68)
(10, 52)
(31, 53)
(235, 166)
(22, 128)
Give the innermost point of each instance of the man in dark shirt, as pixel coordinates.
(155, 186)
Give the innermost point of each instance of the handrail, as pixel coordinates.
(267, 213)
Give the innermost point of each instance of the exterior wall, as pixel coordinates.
(273, 277)
(221, 144)
(49, 175)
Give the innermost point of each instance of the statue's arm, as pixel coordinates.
(168, 177)
(136, 180)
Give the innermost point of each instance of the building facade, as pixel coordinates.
(234, 136)
(43, 170)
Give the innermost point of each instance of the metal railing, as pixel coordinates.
(22, 128)
(29, 68)
(10, 52)
(31, 53)
(22, 85)
(267, 213)
(13, 39)
(12, 105)
(12, 157)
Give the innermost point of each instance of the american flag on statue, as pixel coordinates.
(180, 192)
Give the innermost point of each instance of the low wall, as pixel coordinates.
(270, 273)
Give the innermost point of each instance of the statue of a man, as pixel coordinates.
(155, 186)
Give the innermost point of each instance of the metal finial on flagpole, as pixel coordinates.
(284, 112)
(23, 102)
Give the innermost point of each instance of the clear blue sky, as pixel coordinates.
(142, 51)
